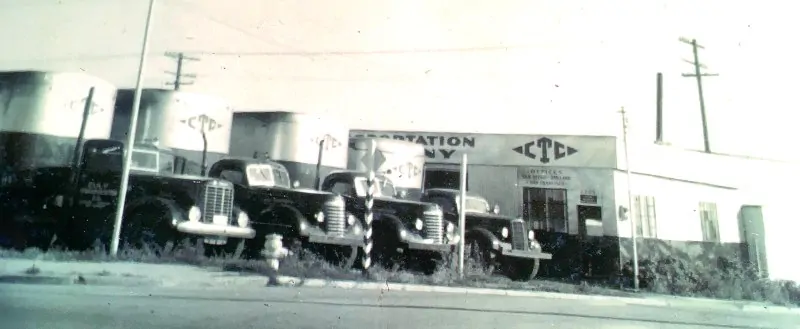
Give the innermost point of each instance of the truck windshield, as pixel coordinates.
(266, 175)
(143, 160)
(475, 204)
(386, 187)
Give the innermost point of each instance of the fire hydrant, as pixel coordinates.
(273, 252)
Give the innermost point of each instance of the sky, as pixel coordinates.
(504, 66)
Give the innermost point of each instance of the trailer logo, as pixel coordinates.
(544, 145)
(328, 142)
(202, 122)
(81, 103)
(406, 170)
(96, 192)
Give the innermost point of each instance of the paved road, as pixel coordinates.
(50, 306)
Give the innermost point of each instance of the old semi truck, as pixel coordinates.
(194, 126)
(53, 183)
(314, 150)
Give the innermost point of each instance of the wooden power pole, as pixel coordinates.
(179, 75)
(699, 76)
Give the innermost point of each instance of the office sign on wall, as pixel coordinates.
(511, 150)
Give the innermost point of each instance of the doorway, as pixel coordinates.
(590, 238)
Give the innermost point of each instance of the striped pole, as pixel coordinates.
(368, 202)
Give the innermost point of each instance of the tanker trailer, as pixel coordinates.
(196, 127)
(40, 120)
(400, 161)
(310, 146)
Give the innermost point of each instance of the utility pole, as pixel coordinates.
(179, 75)
(699, 76)
(630, 213)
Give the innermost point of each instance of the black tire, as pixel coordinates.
(148, 227)
(522, 269)
(342, 257)
(481, 255)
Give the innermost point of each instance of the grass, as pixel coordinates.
(669, 277)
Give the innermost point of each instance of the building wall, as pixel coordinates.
(762, 183)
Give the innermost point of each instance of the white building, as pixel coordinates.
(690, 205)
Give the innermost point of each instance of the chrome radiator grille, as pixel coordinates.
(334, 216)
(433, 225)
(217, 200)
(519, 235)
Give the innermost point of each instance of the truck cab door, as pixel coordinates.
(95, 192)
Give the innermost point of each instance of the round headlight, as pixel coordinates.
(418, 224)
(504, 232)
(351, 219)
(194, 214)
(295, 184)
(243, 220)
(320, 217)
(450, 228)
(530, 235)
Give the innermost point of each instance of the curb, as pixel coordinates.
(653, 301)
(77, 279)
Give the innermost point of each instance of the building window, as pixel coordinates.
(545, 209)
(644, 211)
(709, 221)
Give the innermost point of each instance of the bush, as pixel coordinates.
(724, 280)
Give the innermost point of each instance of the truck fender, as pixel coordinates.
(288, 217)
(483, 235)
(175, 212)
(388, 224)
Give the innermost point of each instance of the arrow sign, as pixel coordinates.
(377, 161)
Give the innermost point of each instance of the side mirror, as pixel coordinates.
(496, 209)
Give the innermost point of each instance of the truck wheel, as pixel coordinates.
(147, 227)
(342, 257)
(522, 269)
(481, 256)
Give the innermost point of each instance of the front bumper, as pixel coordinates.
(226, 231)
(415, 242)
(350, 238)
(507, 251)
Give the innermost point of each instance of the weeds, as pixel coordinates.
(666, 276)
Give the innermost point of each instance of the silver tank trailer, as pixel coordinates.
(41, 114)
(403, 162)
(299, 141)
(175, 119)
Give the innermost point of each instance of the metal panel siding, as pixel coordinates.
(51, 103)
(175, 119)
(510, 150)
(405, 161)
(498, 185)
(288, 136)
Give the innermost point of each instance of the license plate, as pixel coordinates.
(220, 220)
(217, 241)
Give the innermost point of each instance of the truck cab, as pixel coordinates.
(494, 240)
(405, 232)
(160, 209)
(304, 217)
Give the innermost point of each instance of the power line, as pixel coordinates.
(698, 75)
(363, 52)
(179, 75)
